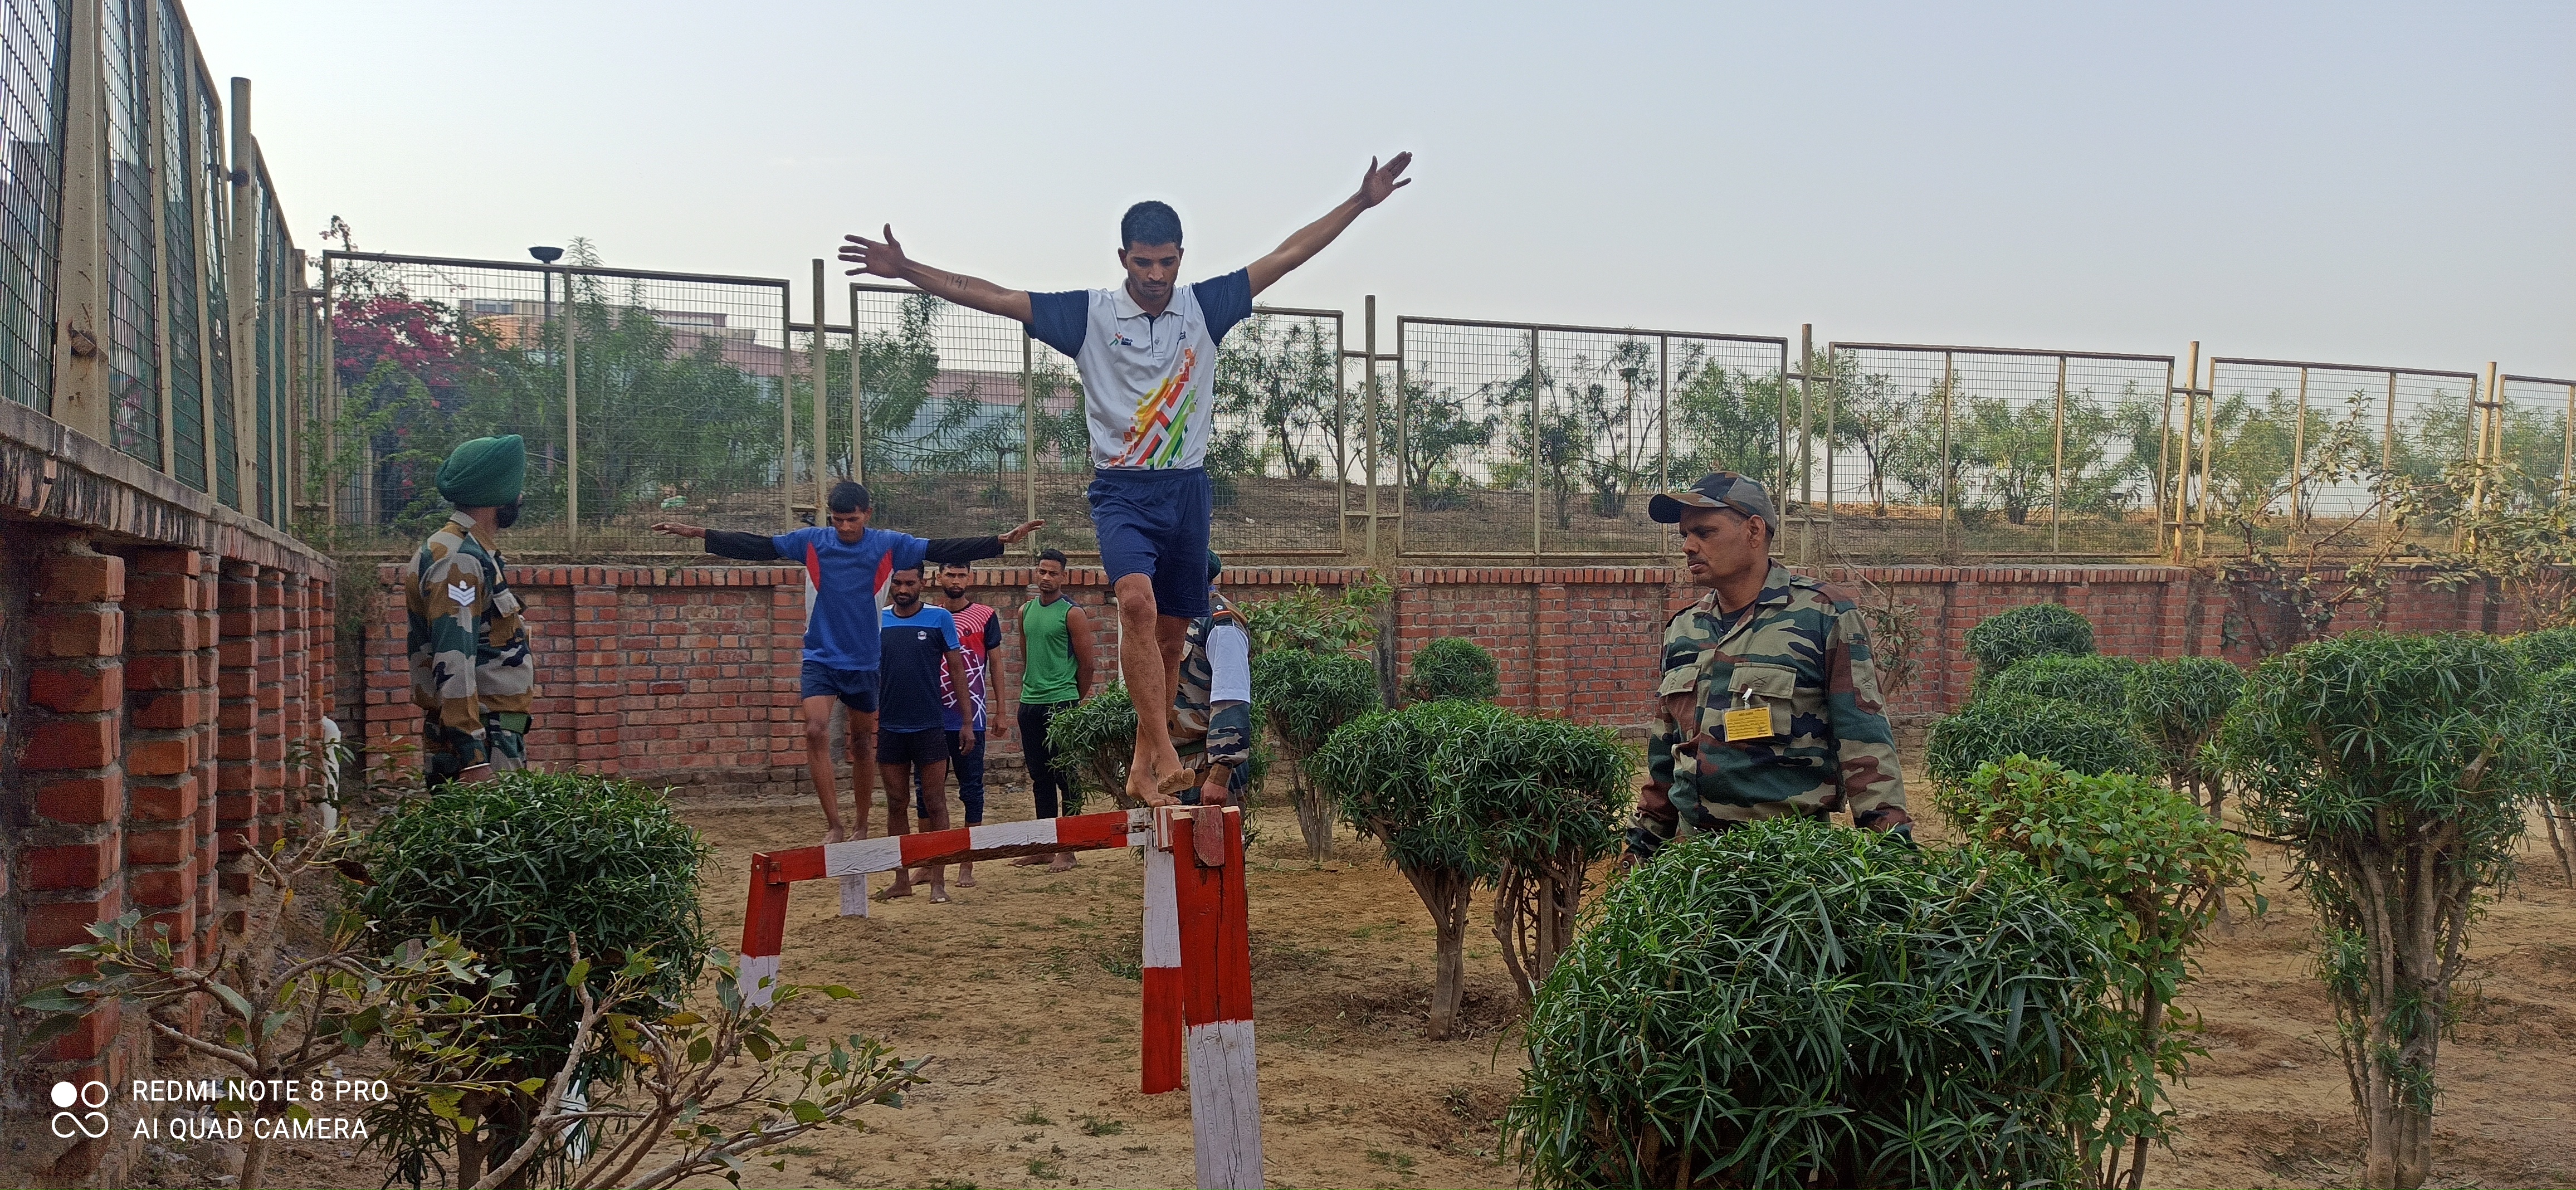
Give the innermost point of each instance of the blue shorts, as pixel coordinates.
(1155, 523)
(856, 688)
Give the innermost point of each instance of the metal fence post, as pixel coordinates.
(786, 403)
(1949, 473)
(2208, 447)
(1538, 503)
(2057, 462)
(572, 423)
(858, 401)
(822, 390)
(1368, 412)
(1403, 443)
(1833, 405)
(1028, 414)
(2164, 457)
(331, 479)
(1664, 427)
(2298, 454)
(2388, 435)
(1806, 443)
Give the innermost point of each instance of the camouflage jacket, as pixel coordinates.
(469, 652)
(1802, 651)
(1198, 729)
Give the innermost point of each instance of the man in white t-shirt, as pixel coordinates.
(1147, 353)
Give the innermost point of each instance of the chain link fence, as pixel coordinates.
(1539, 440)
(2279, 449)
(643, 396)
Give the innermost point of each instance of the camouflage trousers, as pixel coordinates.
(446, 752)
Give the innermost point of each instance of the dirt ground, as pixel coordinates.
(1024, 991)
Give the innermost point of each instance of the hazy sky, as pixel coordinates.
(2352, 182)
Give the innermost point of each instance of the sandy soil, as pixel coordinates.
(1024, 992)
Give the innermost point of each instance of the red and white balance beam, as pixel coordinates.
(1197, 962)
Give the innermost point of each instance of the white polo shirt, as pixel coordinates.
(1148, 381)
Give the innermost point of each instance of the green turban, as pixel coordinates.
(484, 473)
(1216, 565)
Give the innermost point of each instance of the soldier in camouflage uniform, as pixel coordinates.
(469, 652)
(1212, 713)
(1789, 649)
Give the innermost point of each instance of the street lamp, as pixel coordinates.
(545, 255)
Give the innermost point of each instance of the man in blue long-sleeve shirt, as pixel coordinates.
(846, 566)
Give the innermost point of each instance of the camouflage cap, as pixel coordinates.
(1717, 489)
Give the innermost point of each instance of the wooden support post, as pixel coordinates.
(1216, 982)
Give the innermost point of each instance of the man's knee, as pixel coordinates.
(817, 735)
(1135, 600)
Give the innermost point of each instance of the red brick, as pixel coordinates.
(161, 888)
(81, 578)
(170, 591)
(71, 744)
(81, 800)
(56, 924)
(153, 802)
(73, 866)
(168, 561)
(75, 691)
(158, 758)
(91, 1038)
(163, 632)
(165, 672)
(81, 633)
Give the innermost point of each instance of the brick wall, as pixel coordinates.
(687, 675)
(159, 654)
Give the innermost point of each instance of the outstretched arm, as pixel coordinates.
(1297, 249)
(886, 259)
(726, 543)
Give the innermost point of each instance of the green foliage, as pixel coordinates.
(1378, 769)
(2156, 866)
(1452, 667)
(2033, 630)
(1792, 1004)
(2013, 453)
(520, 866)
(2176, 704)
(2552, 739)
(2097, 684)
(1991, 730)
(2397, 766)
(1304, 696)
(1094, 740)
(1309, 619)
(2545, 650)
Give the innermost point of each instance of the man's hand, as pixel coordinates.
(1217, 787)
(876, 259)
(1022, 530)
(837, 834)
(1376, 184)
(676, 529)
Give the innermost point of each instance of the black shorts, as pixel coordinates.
(856, 688)
(912, 747)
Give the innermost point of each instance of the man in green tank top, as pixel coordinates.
(1055, 673)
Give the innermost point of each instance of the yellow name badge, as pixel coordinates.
(1748, 723)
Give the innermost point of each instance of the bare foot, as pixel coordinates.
(1063, 862)
(966, 878)
(897, 889)
(1029, 861)
(939, 896)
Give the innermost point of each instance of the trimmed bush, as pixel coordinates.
(2397, 766)
(2035, 630)
(2098, 684)
(1991, 730)
(2157, 868)
(2177, 703)
(1791, 1004)
(520, 867)
(1093, 742)
(1452, 667)
(1306, 695)
(2544, 650)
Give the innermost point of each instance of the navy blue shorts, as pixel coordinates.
(912, 747)
(856, 688)
(1155, 523)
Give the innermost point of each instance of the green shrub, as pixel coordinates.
(1093, 742)
(2553, 736)
(1792, 1004)
(1310, 619)
(2098, 684)
(1991, 730)
(1377, 768)
(2157, 868)
(2397, 766)
(2035, 630)
(2176, 704)
(1304, 696)
(1452, 667)
(2544, 650)
(521, 867)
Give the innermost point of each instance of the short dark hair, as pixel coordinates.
(848, 496)
(968, 567)
(1150, 222)
(1054, 555)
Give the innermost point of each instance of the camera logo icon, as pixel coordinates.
(69, 1124)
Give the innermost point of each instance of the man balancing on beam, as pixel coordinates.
(1147, 354)
(846, 565)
